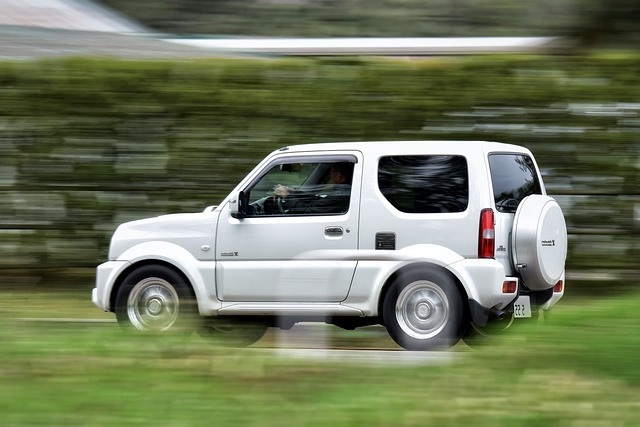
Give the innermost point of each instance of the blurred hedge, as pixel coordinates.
(86, 144)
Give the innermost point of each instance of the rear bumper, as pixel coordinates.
(556, 296)
(483, 281)
(540, 301)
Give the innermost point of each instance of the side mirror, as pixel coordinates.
(238, 205)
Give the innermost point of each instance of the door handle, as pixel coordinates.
(333, 231)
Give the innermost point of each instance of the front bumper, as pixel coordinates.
(106, 276)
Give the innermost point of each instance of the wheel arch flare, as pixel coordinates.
(196, 273)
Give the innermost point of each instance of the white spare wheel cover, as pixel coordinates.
(539, 241)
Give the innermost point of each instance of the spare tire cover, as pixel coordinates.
(539, 241)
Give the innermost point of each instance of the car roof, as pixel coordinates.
(409, 147)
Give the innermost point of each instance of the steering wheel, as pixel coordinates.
(274, 205)
(281, 204)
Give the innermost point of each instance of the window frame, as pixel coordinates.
(301, 159)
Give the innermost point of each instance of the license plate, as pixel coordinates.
(522, 306)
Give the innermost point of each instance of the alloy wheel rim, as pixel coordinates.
(422, 309)
(153, 305)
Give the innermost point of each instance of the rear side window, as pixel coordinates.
(425, 184)
(514, 177)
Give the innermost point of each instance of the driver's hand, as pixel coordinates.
(280, 191)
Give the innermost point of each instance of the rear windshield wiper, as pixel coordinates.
(508, 205)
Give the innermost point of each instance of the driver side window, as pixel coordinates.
(314, 188)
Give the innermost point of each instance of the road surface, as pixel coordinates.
(318, 342)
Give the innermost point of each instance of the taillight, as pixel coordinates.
(486, 235)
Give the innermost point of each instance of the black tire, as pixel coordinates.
(156, 299)
(423, 310)
(233, 331)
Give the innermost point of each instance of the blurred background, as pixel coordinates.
(103, 120)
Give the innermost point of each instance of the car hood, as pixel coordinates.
(189, 230)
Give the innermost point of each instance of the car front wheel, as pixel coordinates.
(156, 299)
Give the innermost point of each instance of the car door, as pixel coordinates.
(286, 255)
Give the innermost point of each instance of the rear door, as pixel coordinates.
(514, 176)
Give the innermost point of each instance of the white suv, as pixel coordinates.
(434, 240)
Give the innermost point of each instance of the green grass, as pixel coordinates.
(578, 370)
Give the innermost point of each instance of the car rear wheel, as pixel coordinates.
(156, 299)
(423, 310)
